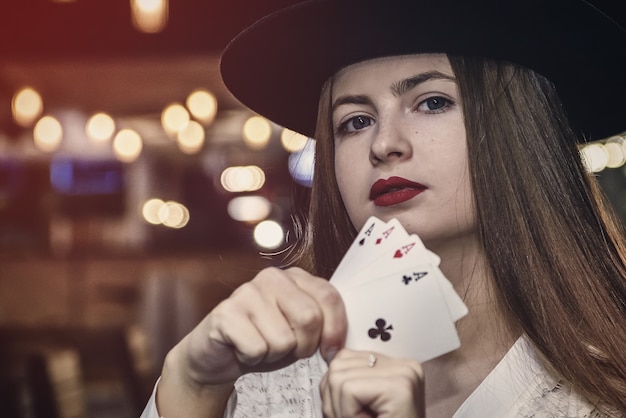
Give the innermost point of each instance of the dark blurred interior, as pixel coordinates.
(92, 295)
(93, 290)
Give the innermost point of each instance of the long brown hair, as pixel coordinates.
(325, 226)
(556, 253)
(555, 250)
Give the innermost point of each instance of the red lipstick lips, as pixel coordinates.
(394, 190)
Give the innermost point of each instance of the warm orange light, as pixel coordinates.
(127, 145)
(27, 106)
(174, 214)
(149, 16)
(150, 210)
(595, 157)
(191, 138)
(292, 141)
(174, 118)
(48, 134)
(249, 208)
(202, 105)
(269, 234)
(100, 127)
(257, 132)
(242, 178)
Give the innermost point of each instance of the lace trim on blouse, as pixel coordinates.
(531, 392)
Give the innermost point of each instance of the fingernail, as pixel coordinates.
(330, 354)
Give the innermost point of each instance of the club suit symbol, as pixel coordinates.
(381, 330)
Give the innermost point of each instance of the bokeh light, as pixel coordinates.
(595, 157)
(242, 178)
(202, 105)
(174, 118)
(257, 132)
(26, 106)
(100, 127)
(249, 208)
(269, 234)
(149, 16)
(127, 145)
(292, 141)
(190, 139)
(48, 134)
(171, 214)
(150, 211)
(617, 153)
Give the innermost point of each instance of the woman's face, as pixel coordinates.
(400, 146)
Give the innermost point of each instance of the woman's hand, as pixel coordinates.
(267, 323)
(390, 387)
(278, 317)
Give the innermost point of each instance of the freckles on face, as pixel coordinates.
(398, 122)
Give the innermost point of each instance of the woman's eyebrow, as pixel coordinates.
(351, 99)
(400, 87)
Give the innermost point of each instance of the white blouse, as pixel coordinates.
(517, 387)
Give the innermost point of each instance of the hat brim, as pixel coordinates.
(278, 65)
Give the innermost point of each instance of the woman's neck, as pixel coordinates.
(484, 332)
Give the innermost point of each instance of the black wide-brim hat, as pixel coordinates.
(278, 65)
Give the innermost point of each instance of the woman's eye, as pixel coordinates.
(434, 104)
(355, 124)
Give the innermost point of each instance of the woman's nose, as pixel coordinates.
(391, 142)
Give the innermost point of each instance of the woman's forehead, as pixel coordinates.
(392, 66)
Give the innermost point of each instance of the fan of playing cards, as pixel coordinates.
(397, 300)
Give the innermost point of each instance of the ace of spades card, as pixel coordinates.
(397, 300)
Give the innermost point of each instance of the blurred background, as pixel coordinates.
(136, 192)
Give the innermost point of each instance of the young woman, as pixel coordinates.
(480, 106)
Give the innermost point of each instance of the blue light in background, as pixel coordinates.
(85, 177)
(302, 164)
